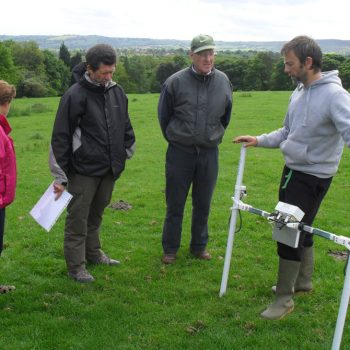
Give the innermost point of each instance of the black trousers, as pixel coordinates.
(183, 169)
(306, 192)
(2, 226)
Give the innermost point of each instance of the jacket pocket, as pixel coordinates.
(295, 152)
(180, 131)
(215, 132)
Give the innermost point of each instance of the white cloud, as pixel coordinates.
(229, 20)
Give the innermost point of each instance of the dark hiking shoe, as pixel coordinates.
(105, 260)
(82, 276)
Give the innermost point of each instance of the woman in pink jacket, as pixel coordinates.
(7, 162)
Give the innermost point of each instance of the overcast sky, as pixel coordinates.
(228, 20)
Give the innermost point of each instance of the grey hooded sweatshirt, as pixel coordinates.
(315, 127)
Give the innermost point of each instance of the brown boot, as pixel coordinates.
(168, 258)
(203, 255)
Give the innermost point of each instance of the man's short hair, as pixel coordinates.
(100, 54)
(7, 92)
(303, 47)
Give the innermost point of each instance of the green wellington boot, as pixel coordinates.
(303, 283)
(287, 274)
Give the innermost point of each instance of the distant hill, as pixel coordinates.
(85, 41)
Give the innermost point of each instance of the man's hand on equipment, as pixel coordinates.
(247, 140)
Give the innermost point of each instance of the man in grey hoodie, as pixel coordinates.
(311, 139)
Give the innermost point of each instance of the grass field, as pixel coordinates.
(142, 304)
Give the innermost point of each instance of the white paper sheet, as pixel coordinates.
(47, 210)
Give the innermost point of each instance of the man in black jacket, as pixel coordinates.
(92, 137)
(194, 110)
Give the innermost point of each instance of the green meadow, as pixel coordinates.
(143, 304)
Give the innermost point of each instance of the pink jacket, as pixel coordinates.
(8, 172)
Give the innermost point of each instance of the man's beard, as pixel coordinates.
(295, 80)
(301, 78)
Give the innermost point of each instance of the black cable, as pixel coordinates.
(240, 221)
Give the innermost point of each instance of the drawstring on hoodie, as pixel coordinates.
(308, 92)
(287, 177)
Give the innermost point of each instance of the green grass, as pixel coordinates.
(142, 304)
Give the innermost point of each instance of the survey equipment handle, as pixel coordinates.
(232, 228)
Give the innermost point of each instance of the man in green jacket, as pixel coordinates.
(194, 110)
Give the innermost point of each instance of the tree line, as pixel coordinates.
(39, 73)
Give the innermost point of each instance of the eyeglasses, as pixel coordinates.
(205, 53)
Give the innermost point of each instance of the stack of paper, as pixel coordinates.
(48, 209)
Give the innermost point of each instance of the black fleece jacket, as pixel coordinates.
(92, 132)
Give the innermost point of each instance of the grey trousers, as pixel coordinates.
(184, 169)
(91, 195)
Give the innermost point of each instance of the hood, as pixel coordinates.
(79, 75)
(78, 71)
(331, 77)
(5, 124)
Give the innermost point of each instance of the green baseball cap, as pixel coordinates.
(202, 42)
